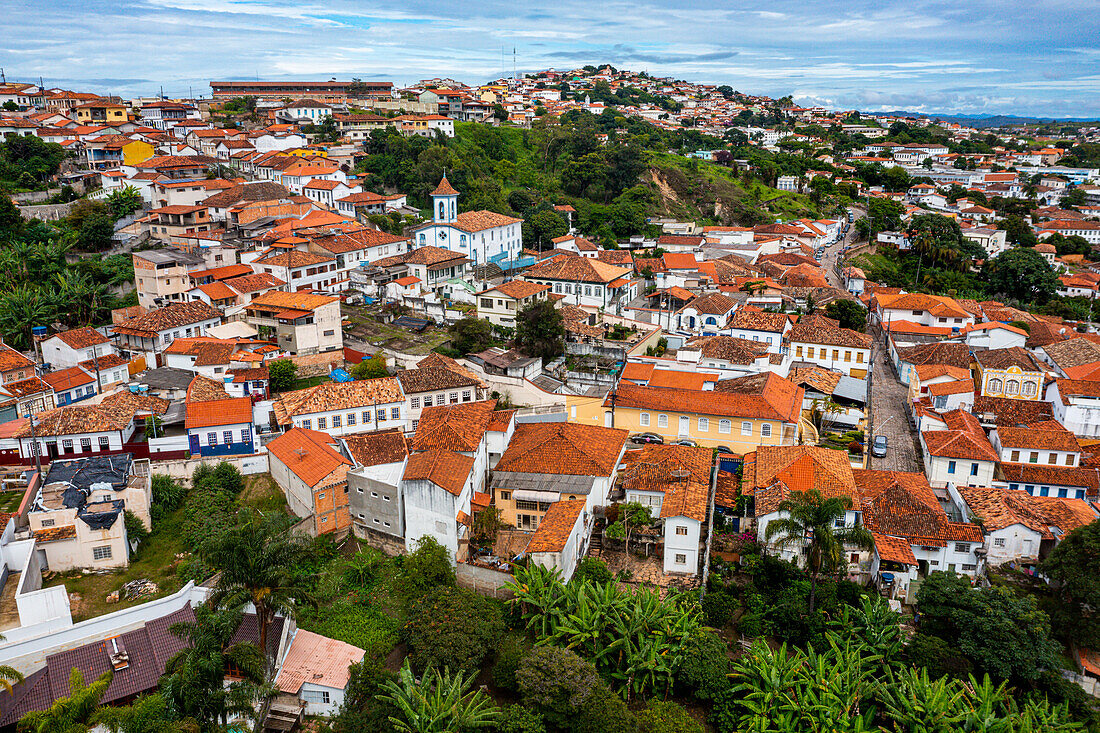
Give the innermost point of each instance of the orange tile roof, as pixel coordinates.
(894, 549)
(377, 447)
(517, 289)
(776, 471)
(563, 448)
(1039, 436)
(82, 338)
(556, 526)
(679, 380)
(66, 379)
(233, 411)
(205, 389)
(317, 660)
(310, 456)
(74, 419)
(54, 534)
(1050, 516)
(453, 427)
(446, 469)
(330, 396)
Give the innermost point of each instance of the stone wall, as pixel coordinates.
(45, 212)
(485, 581)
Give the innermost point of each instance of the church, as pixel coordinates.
(482, 236)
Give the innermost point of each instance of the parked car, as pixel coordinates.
(646, 438)
(878, 448)
(724, 449)
(685, 441)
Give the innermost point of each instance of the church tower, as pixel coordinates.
(444, 203)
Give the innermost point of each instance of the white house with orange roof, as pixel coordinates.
(482, 236)
(315, 670)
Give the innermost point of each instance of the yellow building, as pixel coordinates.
(740, 414)
(1010, 372)
(100, 112)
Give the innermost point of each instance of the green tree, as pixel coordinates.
(542, 227)
(540, 330)
(371, 368)
(9, 676)
(136, 532)
(123, 201)
(256, 559)
(1018, 232)
(78, 713)
(850, 313)
(1023, 274)
(452, 628)
(1003, 633)
(147, 714)
(428, 566)
(665, 716)
(558, 683)
(809, 514)
(439, 702)
(281, 374)
(471, 335)
(194, 684)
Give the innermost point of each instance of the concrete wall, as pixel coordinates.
(386, 543)
(38, 605)
(46, 212)
(183, 468)
(486, 581)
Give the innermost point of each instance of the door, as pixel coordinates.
(51, 450)
(193, 440)
(685, 426)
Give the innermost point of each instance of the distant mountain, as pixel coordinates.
(985, 120)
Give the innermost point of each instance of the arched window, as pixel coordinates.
(994, 386)
(452, 209)
(1029, 389)
(462, 239)
(711, 321)
(423, 237)
(441, 210)
(1012, 387)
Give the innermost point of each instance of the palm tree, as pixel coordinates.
(9, 676)
(438, 703)
(256, 560)
(194, 682)
(77, 713)
(811, 518)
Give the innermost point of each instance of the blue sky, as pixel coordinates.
(1040, 57)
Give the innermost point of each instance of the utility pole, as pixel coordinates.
(34, 443)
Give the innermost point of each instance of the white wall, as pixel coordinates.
(687, 545)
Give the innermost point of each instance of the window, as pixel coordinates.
(662, 421)
(681, 530)
(1034, 457)
(1029, 389)
(337, 421)
(766, 430)
(212, 438)
(395, 413)
(330, 333)
(103, 552)
(1069, 459)
(962, 547)
(465, 395)
(380, 415)
(704, 424)
(351, 419)
(454, 398)
(1052, 459)
(839, 522)
(797, 350)
(746, 428)
(318, 696)
(859, 357)
(85, 444)
(307, 424)
(47, 522)
(810, 352)
(427, 400)
(847, 356)
(322, 423)
(414, 403)
(951, 467)
(643, 419)
(104, 442)
(1015, 457)
(836, 354)
(1012, 387)
(999, 542)
(366, 417)
(227, 436)
(973, 469)
(994, 385)
(681, 559)
(725, 426)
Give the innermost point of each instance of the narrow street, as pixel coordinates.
(888, 398)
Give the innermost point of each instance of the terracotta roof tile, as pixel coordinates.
(728, 348)
(563, 448)
(74, 419)
(1049, 516)
(894, 549)
(575, 268)
(205, 389)
(82, 338)
(67, 379)
(234, 411)
(317, 660)
(330, 396)
(310, 456)
(377, 447)
(557, 524)
(453, 427)
(54, 534)
(446, 469)
(1015, 356)
(428, 379)
(956, 355)
(170, 316)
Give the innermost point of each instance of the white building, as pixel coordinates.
(483, 236)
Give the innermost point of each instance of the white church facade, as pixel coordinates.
(483, 236)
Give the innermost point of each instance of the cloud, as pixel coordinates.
(981, 56)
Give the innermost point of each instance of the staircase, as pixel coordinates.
(595, 545)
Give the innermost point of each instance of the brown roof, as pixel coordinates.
(453, 427)
(517, 289)
(256, 281)
(728, 348)
(563, 448)
(233, 411)
(824, 334)
(82, 338)
(1049, 516)
(963, 438)
(577, 269)
(330, 396)
(352, 241)
(310, 456)
(377, 447)
(10, 359)
(74, 419)
(428, 256)
(773, 472)
(777, 399)
(956, 355)
(55, 534)
(903, 505)
(446, 362)
(428, 379)
(479, 221)
(1039, 437)
(138, 403)
(205, 389)
(714, 304)
(444, 188)
(820, 379)
(1037, 473)
(446, 469)
(1073, 352)
(1015, 356)
(750, 319)
(27, 387)
(1009, 411)
(170, 316)
(556, 526)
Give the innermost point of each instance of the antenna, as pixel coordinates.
(3, 79)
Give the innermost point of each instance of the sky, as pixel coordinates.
(1038, 58)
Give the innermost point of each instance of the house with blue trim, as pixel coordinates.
(70, 385)
(220, 427)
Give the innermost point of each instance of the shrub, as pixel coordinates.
(719, 607)
(452, 628)
(705, 666)
(558, 683)
(168, 495)
(427, 566)
(518, 719)
(511, 653)
(281, 374)
(136, 533)
(662, 716)
(593, 570)
(937, 656)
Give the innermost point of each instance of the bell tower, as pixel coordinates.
(444, 203)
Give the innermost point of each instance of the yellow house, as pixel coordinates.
(100, 112)
(136, 151)
(1010, 372)
(740, 414)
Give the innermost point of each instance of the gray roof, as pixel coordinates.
(852, 389)
(558, 483)
(165, 378)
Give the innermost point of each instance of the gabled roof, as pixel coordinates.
(1015, 356)
(728, 348)
(66, 379)
(377, 447)
(453, 427)
(563, 448)
(317, 660)
(949, 354)
(773, 472)
(1050, 516)
(964, 439)
(170, 316)
(576, 269)
(332, 396)
(74, 419)
(213, 413)
(82, 338)
(310, 456)
(557, 524)
(446, 469)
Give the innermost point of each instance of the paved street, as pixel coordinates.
(888, 397)
(828, 260)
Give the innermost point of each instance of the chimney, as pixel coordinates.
(120, 658)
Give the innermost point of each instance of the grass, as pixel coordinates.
(262, 494)
(155, 561)
(305, 382)
(365, 627)
(10, 500)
